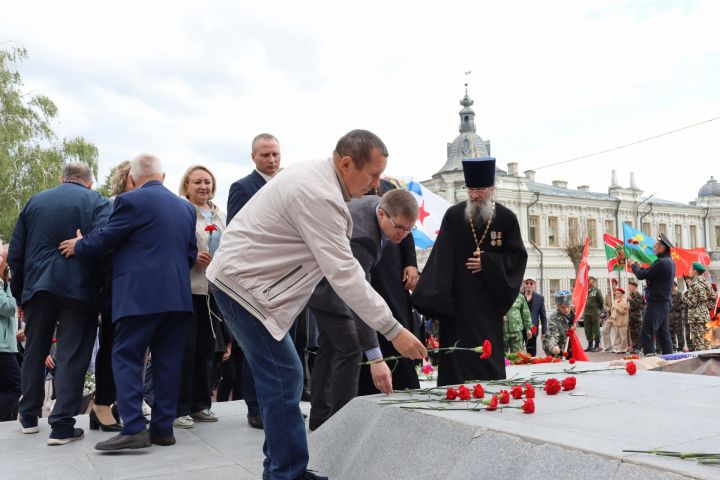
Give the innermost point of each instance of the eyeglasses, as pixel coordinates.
(399, 227)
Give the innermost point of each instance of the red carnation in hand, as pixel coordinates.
(211, 228)
(569, 383)
(432, 342)
(493, 403)
(552, 386)
(631, 368)
(464, 393)
(504, 397)
(529, 391)
(486, 350)
(478, 391)
(533, 330)
(516, 391)
(451, 393)
(572, 360)
(528, 406)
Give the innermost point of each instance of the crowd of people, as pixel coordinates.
(315, 257)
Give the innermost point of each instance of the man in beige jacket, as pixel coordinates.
(290, 235)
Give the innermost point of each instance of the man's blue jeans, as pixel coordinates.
(278, 376)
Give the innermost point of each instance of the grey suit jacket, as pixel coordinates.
(366, 247)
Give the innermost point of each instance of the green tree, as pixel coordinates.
(31, 157)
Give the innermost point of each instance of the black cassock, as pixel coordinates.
(470, 306)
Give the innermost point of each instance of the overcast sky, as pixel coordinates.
(193, 82)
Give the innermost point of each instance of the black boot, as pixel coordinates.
(589, 347)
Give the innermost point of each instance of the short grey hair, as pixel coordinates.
(400, 203)
(261, 137)
(145, 165)
(77, 171)
(359, 145)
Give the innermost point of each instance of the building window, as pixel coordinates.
(693, 236)
(610, 227)
(717, 237)
(592, 232)
(573, 231)
(678, 235)
(534, 228)
(662, 228)
(554, 285)
(646, 229)
(552, 231)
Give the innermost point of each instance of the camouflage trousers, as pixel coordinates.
(514, 342)
(697, 336)
(634, 331)
(678, 337)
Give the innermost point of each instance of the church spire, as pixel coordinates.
(467, 115)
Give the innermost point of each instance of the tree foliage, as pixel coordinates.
(31, 157)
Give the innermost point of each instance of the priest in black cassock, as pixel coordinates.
(472, 277)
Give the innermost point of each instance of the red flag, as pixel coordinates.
(580, 292)
(684, 257)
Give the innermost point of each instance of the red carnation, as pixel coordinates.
(478, 391)
(572, 360)
(493, 403)
(528, 406)
(564, 354)
(534, 360)
(516, 391)
(486, 350)
(529, 391)
(631, 368)
(432, 342)
(211, 228)
(504, 397)
(552, 386)
(569, 383)
(451, 393)
(533, 330)
(464, 393)
(556, 360)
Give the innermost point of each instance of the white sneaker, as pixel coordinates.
(146, 410)
(184, 422)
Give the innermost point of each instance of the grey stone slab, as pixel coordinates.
(70, 466)
(230, 472)
(628, 471)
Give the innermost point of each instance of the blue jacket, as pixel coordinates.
(659, 275)
(152, 235)
(537, 311)
(34, 258)
(242, 191)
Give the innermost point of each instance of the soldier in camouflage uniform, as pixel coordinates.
(558, 324)
(591, 317)
(636, 302)
(676, 319)
(700, 300)
(517, 325)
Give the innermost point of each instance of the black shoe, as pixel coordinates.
(122, 442)
(255, 421)
(310, 475)
(29, 424)
(96, 424)
(61, 436)
(163, 441)
(589, 348)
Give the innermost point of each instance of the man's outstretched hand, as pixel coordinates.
(409, 346)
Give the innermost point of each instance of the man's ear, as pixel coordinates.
(163, 177)
(132, 181)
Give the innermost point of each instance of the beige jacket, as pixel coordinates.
(292, 233)
(619, 312)
(198, 281)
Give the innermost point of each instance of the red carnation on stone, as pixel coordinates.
(572, 360)
(552, 386)
(464, 393)
(451, 393)
(493, 403)
(516, 391)
(528, 406)
(529, 391)
(564, 354)
(504, 397)
(478, 391)
(631, 368)
(486, 350)
(569, 383)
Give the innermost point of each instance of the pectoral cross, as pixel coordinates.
(477, 252)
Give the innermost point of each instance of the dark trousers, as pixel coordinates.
(656, 325)
(531, 345)
(9, 386)
(162, 332)
(76, 324)
(337, 366)
(230, 382)
(104, 379)
(197, 360)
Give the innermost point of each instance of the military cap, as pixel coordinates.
(698, 267)
(662, 238)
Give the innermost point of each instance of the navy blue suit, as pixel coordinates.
(539, 319)
(152, 235)
(659, 275)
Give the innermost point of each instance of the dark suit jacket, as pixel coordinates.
(49, 218)
(366, 247)
(241, 191)
(537, 311)
(152, 234)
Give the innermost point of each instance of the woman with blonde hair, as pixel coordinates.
(198, 187)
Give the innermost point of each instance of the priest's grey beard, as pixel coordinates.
(479, 212)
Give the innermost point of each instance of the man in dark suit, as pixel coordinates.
(266, 155)
(152, 235)
(56, 293)
(536, 302)
(344, 337)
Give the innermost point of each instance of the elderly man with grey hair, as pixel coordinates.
(55, 292)
(151, 233)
